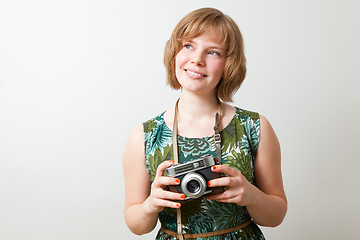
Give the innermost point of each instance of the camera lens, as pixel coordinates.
(193, 186)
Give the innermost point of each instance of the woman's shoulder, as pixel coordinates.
(153, 123)
(256, 123)
(137, 134)
(247, 114)
(256, 117)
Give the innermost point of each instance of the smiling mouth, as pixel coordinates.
(195, 73)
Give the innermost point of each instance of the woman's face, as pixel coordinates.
(199, 65)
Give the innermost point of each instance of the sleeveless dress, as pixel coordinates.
(239, 141)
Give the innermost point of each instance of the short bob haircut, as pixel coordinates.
(209, 21)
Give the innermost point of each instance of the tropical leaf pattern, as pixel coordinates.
(231, 134)
(241, 162)
(196, 147)
(239, 141)
(158, 157)
(251, 131)
(225, 215)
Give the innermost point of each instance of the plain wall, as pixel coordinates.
(77, 76)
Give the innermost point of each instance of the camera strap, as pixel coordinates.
(217, 138)
(176, 161)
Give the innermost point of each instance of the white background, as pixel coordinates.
(76, 77)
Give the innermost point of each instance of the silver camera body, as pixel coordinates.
(194, 176)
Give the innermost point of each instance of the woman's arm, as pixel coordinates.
(265, 201)
(269, 204)
(143, 200)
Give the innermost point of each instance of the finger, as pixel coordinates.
(166, 203)
(225, 169)
(164, 181)
(161, 168)
(225, 196)
(168, 195)
(221, 182)
(224, 200)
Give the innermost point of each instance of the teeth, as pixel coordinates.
(194, 73)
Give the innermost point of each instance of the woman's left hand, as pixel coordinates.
(237, 188)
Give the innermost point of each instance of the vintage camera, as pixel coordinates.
(194, 176)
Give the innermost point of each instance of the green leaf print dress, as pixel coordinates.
(239, 141)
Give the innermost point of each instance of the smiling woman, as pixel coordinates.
(201, 59)
(205, 59)
(222, 31)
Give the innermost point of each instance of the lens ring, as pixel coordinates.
(193, 177)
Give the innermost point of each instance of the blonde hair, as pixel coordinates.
(208, 21)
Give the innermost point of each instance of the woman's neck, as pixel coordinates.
(196, 116)
(193, 106)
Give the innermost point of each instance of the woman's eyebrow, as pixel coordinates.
(212, 45)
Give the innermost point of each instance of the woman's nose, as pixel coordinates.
(197, 58)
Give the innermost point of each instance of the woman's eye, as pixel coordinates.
(187, 46)
(214, 53)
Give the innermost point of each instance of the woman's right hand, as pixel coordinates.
(159, 197)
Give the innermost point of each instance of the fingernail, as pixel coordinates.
(171, 161)
(178, 205)
(209, 183)
(183, 196)
(213, 168)
(177, 180)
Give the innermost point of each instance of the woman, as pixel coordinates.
(205, 59)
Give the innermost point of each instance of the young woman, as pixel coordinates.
(205, 59)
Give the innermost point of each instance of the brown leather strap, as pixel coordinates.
(179, 224)
(174, 136)
(217, 138)
(176, 161)
(208, 234)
